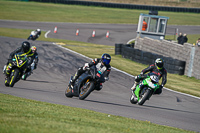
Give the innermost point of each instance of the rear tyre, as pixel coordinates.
(14, 76)
(68, 92)
(86, 89)
(144, 97)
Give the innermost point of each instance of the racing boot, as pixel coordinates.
(72, 81)
(4, 69)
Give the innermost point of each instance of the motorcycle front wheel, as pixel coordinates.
(86, 89)
(13, 77)
(133, 99)
(68, 92)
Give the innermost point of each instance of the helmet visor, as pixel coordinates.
(106, 61)
(159, 65)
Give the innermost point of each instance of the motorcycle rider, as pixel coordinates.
(35, 34)
(35, 56)
(34, 63)
(156, 68)
(102, 64)
(25, 48)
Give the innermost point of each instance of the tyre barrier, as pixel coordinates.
(173, 66)
(118, 49)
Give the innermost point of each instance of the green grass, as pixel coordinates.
(32, 11)
(174, 82)
(20, 115)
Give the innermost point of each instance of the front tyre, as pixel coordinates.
(86, 89)
(68, 92)
(133, 99)
(13, 77)
(7, 82)
(144, 97)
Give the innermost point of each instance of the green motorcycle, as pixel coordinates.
(19, 65)
(148, 86)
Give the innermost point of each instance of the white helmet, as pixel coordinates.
(33, 33)
(38, 30)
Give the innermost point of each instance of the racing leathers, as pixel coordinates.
(105, 69)
(161, 73)
(32, 66)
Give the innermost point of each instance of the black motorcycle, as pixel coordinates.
(85, 84)
(19, 65)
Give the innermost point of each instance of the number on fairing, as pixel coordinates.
(20, 62)
(151, 84)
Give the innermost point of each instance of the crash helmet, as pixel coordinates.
(106, 58)
(25, 46)
(38, 30)
(34, 49)
(159, 63)
(154, 79)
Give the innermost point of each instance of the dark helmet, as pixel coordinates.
(25, 46)
(106, 58)
(159, 63)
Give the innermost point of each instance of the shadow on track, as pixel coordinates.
(40, 81)
(169, 109)
(113, 104)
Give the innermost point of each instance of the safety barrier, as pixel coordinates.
(127, 6)
(173, 66)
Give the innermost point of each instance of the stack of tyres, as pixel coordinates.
(118, 49)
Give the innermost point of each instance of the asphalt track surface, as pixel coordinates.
(57, 64)
(118, 33)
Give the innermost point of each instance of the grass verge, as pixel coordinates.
(21, 115)
(48, 12)
(176, 82)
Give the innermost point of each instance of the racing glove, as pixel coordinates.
(86, 66)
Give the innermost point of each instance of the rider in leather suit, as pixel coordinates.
(25, 48)
(102, 64)
(34, 60)
(156, 68)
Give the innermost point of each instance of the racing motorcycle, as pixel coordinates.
(19, 65)
(33, 36)
(85, 84)
(150, 85)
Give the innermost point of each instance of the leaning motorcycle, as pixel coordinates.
(19, 65)
(33, 36)
(85, 84)
(150, 85)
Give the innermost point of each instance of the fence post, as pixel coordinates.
(192, 53)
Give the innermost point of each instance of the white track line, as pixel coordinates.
(47, 33)
(124, 72)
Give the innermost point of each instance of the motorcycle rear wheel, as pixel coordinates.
(86, 91)
(144, 97)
